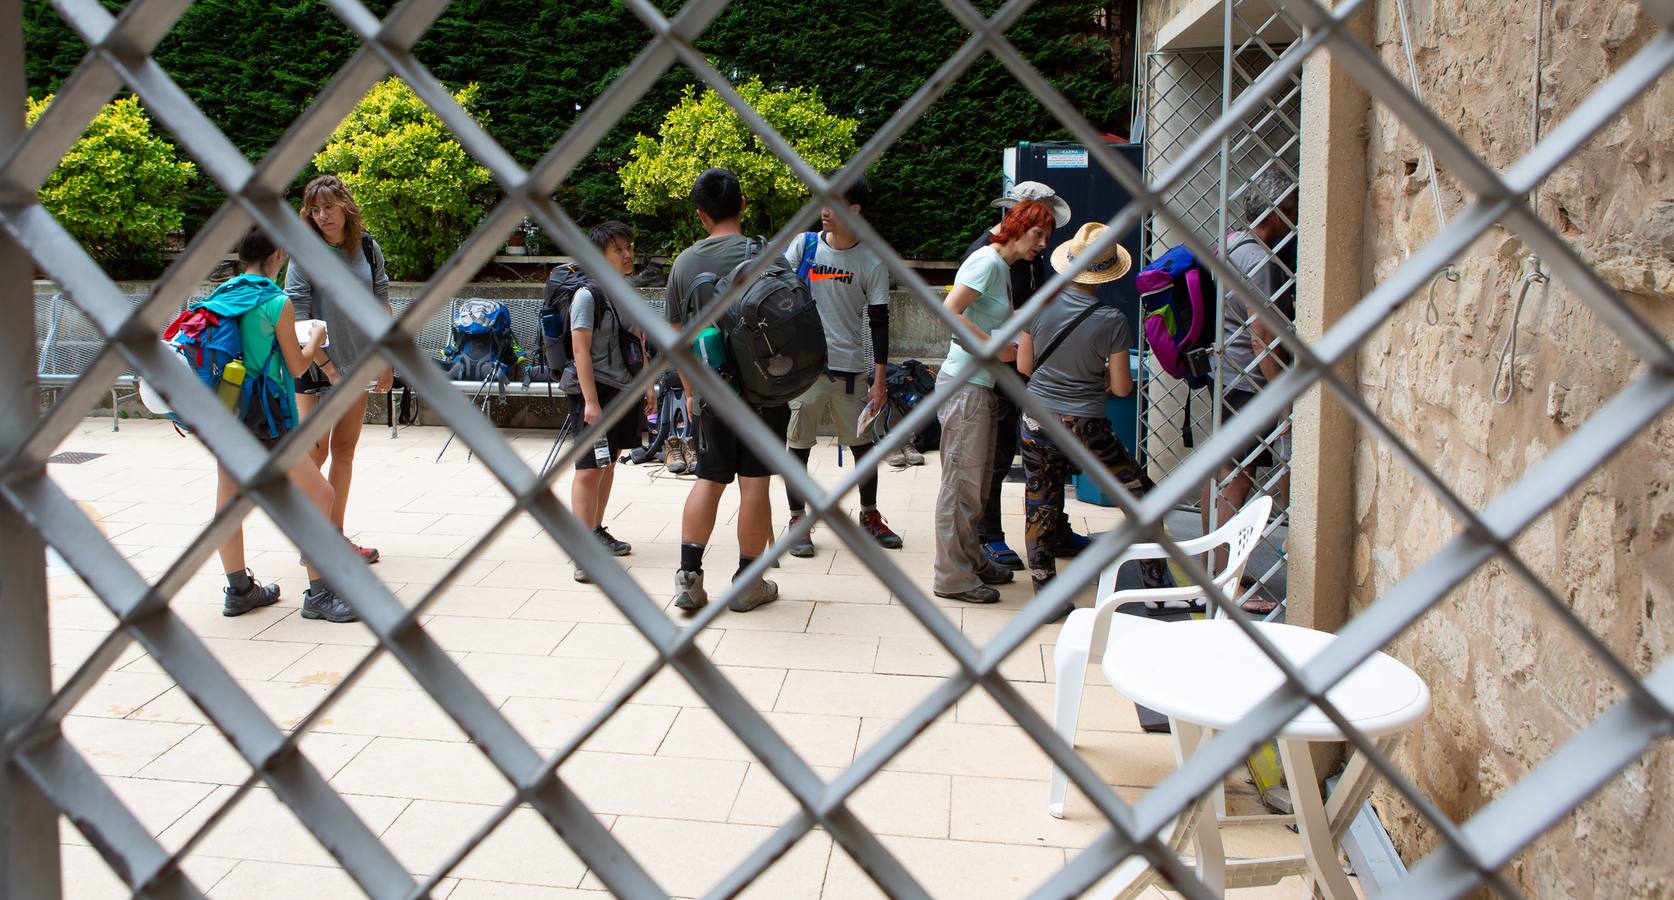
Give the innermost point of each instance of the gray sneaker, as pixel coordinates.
(804, 546)
(690, 594)
(581, 575)
(996, 575)
(236, 603)
(325, 604)
(616, 547)
(761, 593)
(982, 593)
(913, 457)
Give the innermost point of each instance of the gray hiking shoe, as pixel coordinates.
(689, 593)
(581, 575)
(616, 547)
(761, 593)
(237, 603)
(996, 575)
(325, 604)
(982, 593)
(804, 546)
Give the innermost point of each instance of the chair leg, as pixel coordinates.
(1317, 845)
(115, 419)
(1071, 671)
(1201, 818)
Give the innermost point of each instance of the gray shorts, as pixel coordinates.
(839, 396)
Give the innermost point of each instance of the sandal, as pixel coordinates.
(1258, 606)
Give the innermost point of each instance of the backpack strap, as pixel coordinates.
(367, 249)
(1074, 323)
(810, 246)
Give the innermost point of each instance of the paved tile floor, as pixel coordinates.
(832, 665)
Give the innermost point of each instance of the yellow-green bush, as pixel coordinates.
(119, 190)
(420, 192)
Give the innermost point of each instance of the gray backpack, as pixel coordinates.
(775, 339)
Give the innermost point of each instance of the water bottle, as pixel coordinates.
(232, 383)
(711, 348)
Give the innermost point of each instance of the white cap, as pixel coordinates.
(1034, 190)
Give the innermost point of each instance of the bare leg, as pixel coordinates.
(305, 404)
(755, 516)
(697, 521)
(232, 552)
(313, 485)
(345, 437)
(605, 482)
(587, 497)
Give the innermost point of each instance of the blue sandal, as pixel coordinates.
(1001, 555)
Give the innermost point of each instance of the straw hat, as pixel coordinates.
(1112, 264)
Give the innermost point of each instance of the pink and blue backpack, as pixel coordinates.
(1177, 296)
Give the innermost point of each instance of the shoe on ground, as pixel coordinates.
(803, 547)
(688, 590)
(875, 526)
(688, 453)
(581, 575)
(616, 547)
(759, 594)
(914, 458)
(1001, 555)
(996, 575)
(982, 593)
(897, 459)
(237, 603)
(325, 604)
(1070, 544)
(674, 457)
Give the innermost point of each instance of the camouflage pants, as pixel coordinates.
(1047, 467)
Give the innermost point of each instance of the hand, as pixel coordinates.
(1008, 353)
(318, 335)
(875, 397)
(589, 411)
(385, 382)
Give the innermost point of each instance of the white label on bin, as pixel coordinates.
(1066, 159)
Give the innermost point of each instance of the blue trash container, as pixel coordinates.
(1123, 413)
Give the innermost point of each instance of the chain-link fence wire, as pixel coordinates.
(1470, 854)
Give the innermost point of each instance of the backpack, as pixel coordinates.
(907, 384)
(1177, 296)
(554, 351)
(483, 347)
(775, 340)
(212, 346)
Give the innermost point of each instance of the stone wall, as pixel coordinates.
(1510, 684)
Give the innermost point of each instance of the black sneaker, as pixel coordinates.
(982, 593)
(237, 603)
(804, 546)
(996, 575)
(616, 547)
(325, 604)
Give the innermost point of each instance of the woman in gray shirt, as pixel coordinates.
(334, 216)
(1075, 353)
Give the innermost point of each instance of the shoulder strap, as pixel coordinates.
(810, 246)
(1074, 323)
(366, 250)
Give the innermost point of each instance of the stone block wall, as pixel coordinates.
(1510, 683)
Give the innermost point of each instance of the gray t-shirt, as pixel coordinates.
(609, 369)
(347, 343)
(719, 255)
(1073, 381)
(1249, 256)
(844, 283)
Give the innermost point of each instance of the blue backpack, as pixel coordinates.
(483, 347)
(1177, 295)
(207, 337)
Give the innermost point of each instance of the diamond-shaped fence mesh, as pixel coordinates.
(1252, 114)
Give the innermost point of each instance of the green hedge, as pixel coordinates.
(253, 65)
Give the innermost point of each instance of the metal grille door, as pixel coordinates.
(43, 775)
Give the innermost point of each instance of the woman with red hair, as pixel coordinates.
(981, 299)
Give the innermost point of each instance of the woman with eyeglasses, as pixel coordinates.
(328, 209)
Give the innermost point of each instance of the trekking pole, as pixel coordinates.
(476, 400)
(566, 430)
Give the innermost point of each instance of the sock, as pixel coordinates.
(743, 563)
(316, 585)
(797, 506)
(240, 582)
(691, 557)
(869, 487)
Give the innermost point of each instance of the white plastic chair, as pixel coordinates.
(1089, 628)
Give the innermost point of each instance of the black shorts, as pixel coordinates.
(1231, 402)
(722, 457)
(622, 435)
(312, 381)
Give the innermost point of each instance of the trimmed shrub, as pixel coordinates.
(119, 189)
(420, 192)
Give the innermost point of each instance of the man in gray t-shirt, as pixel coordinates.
(1073, 380)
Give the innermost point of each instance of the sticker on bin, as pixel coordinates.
(1066, 159)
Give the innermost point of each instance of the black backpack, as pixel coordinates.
(907, 383)
(775, 339)
(553, 354)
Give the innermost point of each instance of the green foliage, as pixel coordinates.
(703, 132)
(118, 191)
(420, 193)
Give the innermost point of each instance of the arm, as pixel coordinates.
(380, 289)
(1120, 379)
(877, 317)
(581, 346)
(1026, 354)
(297, 357)
(960, 299)
(1267, 353)
(300, 290)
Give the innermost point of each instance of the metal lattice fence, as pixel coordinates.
(45, 776)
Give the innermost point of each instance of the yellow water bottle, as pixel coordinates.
(232, 382)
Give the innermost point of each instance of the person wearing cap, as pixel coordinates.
(1075, 352)
(1027, 276)
(981, 301)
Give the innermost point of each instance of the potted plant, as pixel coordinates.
(515, 245)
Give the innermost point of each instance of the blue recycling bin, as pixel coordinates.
(1123, 413)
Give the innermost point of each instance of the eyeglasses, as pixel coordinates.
(322, 209)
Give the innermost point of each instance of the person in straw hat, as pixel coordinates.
(1075, 353)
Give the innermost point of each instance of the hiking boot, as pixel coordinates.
(325, 604)
(804, 546)
(913, 457)
(690, 594)
(616, 547)
(875, 526)
(1069, 544)
(760, 593)
(995, 575)
(674, 456)
(688, 452)
(982, 593)
(897, 459)
(237, 603)
(1001, 555)
(581, 575)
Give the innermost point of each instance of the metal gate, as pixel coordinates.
(43, 775)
